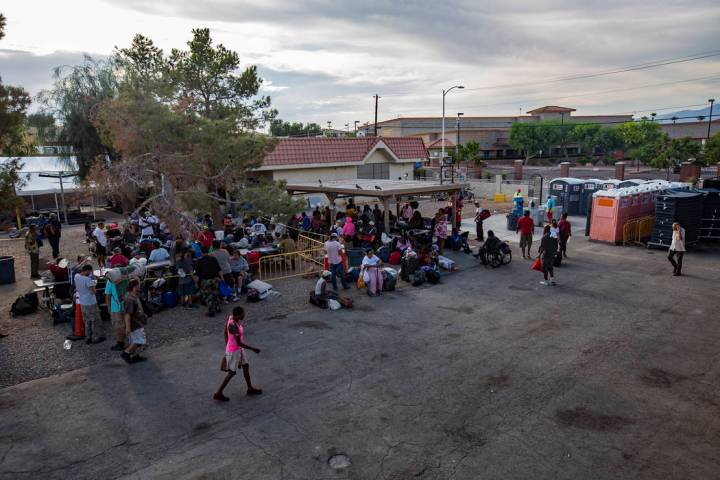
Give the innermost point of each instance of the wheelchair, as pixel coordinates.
(499, 256)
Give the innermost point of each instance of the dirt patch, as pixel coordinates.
(657, 377)
(498, 382)
(317, 324)
(586, 419)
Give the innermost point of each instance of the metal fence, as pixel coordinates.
(291, 264)
(637, 231)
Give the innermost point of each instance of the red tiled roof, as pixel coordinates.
(438, 144)
(298, 151)
(550, 108)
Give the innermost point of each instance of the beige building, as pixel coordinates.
(695, 130)
(490, 132)
(304, 160)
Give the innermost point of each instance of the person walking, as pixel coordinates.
(33, 250)
(114, 301)
(677, 248)
(52, 232)
(135, 320)
(549, 206)
(526, 228)
(441, 229)
(85, 287)
(235, 354)
(479, 222)
(209, 275)
(334, 250)
(100, 244)
(565, 232)
(547, 251)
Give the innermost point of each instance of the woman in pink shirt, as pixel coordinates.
(235, 353)
(348, 230)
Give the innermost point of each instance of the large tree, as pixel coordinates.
(711, 151)
(644, 140)
(185, 125)
(595, 139)
(534, 137)
(14, 102)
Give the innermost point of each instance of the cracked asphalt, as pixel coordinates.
(612, 374)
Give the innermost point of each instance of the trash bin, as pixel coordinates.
(511, 222)
(7, 269)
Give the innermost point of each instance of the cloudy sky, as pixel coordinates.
(323, 59)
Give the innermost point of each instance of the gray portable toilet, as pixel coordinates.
(568, 192)
(590, 186)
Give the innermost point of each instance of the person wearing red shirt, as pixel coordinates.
(206, 237)
(565, 233)
(525, 227)
(118, 259)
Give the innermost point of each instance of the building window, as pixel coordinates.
(374, 171)
(499, 154)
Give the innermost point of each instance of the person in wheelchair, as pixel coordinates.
(491, 245)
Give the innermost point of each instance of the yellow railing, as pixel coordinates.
(638, 230)
(310, 241)
(291, 264)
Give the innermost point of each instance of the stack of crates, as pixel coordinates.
(710, 222)
(686, 208)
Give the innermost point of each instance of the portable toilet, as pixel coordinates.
(590, 186)
(631, 182)
(612, 209)
(611, 183)
(569, 193)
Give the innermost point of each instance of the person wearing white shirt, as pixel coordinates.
(147, 224)
(259, 228)
(160, 254)
(100, 244)
(677, 248)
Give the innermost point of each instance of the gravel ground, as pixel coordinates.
(34, 347)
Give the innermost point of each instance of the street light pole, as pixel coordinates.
(712, 100)
(457, 136)
(442, 139)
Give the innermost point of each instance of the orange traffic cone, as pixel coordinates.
(79, 332)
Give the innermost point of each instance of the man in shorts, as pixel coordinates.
(235, 354)
(100, 244)
(525, 227)
(135, 320)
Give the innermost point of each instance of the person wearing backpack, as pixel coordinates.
(235, 354)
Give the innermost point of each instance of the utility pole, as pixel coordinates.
(457, 137)
(356, 122)
(712, 100)
(377, 97)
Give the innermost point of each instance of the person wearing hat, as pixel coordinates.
(52, 230)
(320, 295)
(334, 250)
(118, 259)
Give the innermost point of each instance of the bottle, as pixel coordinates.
(67, 345)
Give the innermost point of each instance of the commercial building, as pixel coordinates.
(490, 132)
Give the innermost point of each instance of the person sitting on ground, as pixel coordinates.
(118, 259)
(371, 270)
(401, 243)
(159, 254)
(492, 244)
(321, 295)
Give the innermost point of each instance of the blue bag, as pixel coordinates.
(225, 290)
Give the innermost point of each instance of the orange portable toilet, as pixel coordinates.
(612, 209)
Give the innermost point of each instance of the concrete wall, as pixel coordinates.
(488, 188)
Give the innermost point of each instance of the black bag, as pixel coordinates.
(558, 260)
(418, 278)
(432, 276)
(253, 295)
(389, 281)
(25, 305)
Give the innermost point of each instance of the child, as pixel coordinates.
(235, 354)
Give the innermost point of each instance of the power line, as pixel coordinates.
(579, 76)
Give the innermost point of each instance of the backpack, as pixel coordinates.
(253, 295)
(557, 260)
(432, 276)
(24, 305)
(418, 278)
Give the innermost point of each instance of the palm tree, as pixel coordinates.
(674, 119)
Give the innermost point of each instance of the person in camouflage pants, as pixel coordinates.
(209, 274)
(209, 294)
